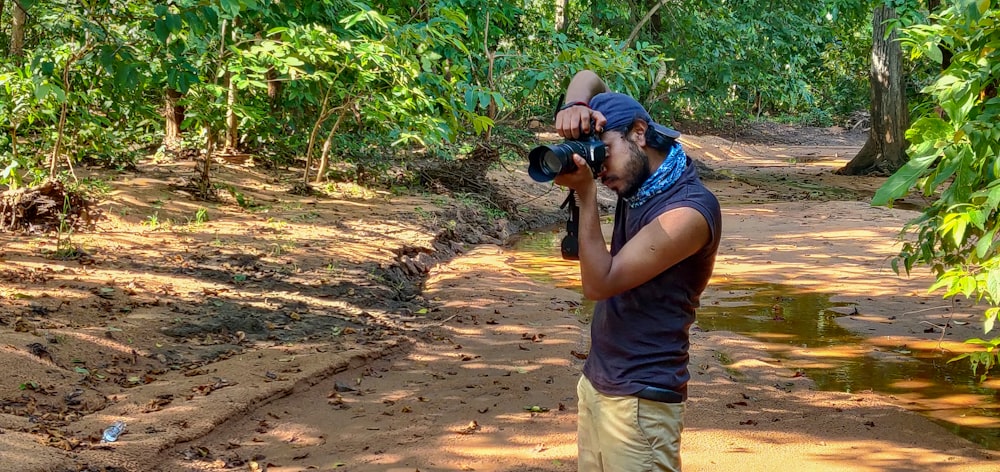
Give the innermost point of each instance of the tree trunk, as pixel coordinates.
(232, 123)
(324, 160)
(173, 114)
(205, 188)
(3, 4)
(273, 89)
(61, 127)
(885, 151)
(18, 21)
(562, 9)
(324, 113)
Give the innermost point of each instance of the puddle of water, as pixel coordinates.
(800, 328)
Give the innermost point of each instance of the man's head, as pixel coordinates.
(622, 111)
(628, 134)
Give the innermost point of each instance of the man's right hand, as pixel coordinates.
(575, 122)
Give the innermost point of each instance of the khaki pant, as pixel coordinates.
(627, 434)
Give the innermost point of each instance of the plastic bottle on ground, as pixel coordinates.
(111, 433)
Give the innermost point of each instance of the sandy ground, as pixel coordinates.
(478, 371)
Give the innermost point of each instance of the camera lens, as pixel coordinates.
(546, 162)
(551, 163)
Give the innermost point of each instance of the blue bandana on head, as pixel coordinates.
(621, 110)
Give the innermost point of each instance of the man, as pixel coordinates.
(666, 234)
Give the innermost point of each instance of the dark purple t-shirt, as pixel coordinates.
(640, 337)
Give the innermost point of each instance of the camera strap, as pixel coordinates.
(570, 245)
(573, 223)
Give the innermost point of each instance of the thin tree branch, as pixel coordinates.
(642, 22)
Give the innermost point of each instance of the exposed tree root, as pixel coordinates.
(469, 176)
(44, 208)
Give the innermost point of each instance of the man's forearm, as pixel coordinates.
(595, 260)
(584, 85)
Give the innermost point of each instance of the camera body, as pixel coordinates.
(545, 162)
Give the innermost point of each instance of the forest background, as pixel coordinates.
(370, 93)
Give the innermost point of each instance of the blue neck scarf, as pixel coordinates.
(666, 175)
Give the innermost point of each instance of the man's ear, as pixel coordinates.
(639, 129)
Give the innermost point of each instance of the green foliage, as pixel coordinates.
(983, 361)
(244, 201)
(65, 249)
(65, 70)
(954, 159)
(201, 216)
(410, 78)
(753, 57)
(840, 82)
(153, 221)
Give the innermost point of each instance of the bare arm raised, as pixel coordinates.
(574, 121)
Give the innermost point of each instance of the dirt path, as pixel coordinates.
(268, 340)
(460, 399)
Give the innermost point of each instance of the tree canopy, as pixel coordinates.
(90, 82)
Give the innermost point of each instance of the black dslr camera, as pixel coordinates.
(546, 162)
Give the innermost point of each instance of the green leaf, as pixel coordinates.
(903, 180)
(211, 14)
(194, 22)
(47, 68)
(993, 285)
(934, 53)
(983, 6)
(173, 22)
(945, 280)
(984, 245)
(955, 223)
(230, 7)
(470, 99)
(161, 31)
(42, 91)
(968, 286)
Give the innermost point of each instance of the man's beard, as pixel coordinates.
(637, 171)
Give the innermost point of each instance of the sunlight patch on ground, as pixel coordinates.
(911, 384)
(918, 344)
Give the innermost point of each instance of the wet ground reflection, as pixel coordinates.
(800, 328)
